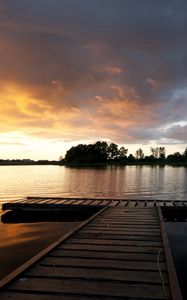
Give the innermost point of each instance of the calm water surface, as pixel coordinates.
(177, 233)
(130, 182)
(18, 242)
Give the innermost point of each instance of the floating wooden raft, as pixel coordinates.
(51, 203)
(119, 253)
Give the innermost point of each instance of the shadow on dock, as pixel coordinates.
(174, 214)
(66, 214)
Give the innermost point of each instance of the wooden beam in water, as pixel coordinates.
(174, 285)
(34, 259)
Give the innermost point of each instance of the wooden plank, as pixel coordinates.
(129, 210)
(105, 202)
(96, 241)
(134, 228)
(87, 202)
(120, 234)
(95, 202)
(168, 203)
(85, 287)
(114, 203)
(100, 263)
(152, 234)
(174, 285)
(150, 204)
(100, 221)
(31, 261)
(123, 203)
(137, 216)
(127, 246)
(124, 237)
(17, 200)
(45, 296)
(133, 212)
(178, 203)
(72, 201)
(25, 200)
(42, 201)
(124, 227)
(131, 226)
(98, 274)
(132, 218)
(106, 255)
(52, 201)
(61, 201)
(80, 201)
(131, 204)
(122, 230)
(125, 218)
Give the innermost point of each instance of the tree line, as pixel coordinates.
(102, 152)
(26, 162)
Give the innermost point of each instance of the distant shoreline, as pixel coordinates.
(104, 164)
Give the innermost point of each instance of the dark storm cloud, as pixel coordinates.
(74, 53)
(177, 133)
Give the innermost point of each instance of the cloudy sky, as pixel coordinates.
(78, 71)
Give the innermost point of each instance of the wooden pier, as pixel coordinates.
(56, 204)
(119, 253)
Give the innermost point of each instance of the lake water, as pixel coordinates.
(129, 182)
(19, 242)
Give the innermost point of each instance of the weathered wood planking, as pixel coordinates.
(55, 203)
(90, 288)
(99, 261)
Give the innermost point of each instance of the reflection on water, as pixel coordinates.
(130, 182)
(18, 242)
(177, 233)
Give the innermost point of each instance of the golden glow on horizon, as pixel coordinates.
(33, 128)
(15, 145)
(91, 76)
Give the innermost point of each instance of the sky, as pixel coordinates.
(78, 71)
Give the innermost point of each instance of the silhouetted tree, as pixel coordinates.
(139, 154)
(176, 157)
(113, 151)
(131, 158)
(162, 153)
(158, 152)
(155, 152)
(122, 153)
(99, 151)
(185, 153)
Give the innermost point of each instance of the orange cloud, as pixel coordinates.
(99, 116)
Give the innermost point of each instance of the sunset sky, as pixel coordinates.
(78, 71)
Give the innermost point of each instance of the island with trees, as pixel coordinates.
(103, 153)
